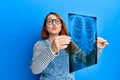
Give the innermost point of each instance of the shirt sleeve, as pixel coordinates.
(99, 51)
(42, 56)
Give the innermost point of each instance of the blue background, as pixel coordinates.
(21, 22)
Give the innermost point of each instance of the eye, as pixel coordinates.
(49, 21)
(58, 21)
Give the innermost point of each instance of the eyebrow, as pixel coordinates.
(51, 18)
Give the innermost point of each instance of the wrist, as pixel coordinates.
(54, 51)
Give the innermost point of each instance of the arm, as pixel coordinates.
(42, 56)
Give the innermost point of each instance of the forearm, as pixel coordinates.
(41, 62)
(42, 56)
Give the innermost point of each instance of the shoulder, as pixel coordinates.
(38, 42)
(39, 45)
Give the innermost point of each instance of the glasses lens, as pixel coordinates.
(57, 21)
(50, 21)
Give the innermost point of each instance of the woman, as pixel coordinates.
(51, 55)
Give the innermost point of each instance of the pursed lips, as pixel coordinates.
(54, 27)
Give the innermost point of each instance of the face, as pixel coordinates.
(53, 25)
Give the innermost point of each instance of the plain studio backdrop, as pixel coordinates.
(21, 23)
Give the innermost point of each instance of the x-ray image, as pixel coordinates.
(82, 30)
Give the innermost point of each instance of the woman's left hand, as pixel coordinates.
(101, 42)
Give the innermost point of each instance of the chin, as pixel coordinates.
(55, 33)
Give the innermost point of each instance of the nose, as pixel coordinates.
(53, 23)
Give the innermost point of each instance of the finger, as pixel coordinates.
(63, 37)
(63, 46)
(105, 43)
(63, 41)
(101, 40)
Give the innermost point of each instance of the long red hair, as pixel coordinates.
(45, 34)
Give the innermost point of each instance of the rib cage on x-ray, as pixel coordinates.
(82, 30)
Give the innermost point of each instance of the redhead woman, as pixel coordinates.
(51, 55)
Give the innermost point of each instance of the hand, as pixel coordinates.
(60, 42)
(101, 43)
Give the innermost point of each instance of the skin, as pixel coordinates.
(61, 42)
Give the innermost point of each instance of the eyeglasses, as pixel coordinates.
(50, 21)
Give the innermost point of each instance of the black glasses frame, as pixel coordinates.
(53, 20)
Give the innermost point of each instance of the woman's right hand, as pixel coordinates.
(60, 42)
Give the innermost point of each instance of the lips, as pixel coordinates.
(54, 27)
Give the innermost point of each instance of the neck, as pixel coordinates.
(52, 37)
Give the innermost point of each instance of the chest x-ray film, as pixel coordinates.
(82, 30)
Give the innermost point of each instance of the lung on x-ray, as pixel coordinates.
(82, 30)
